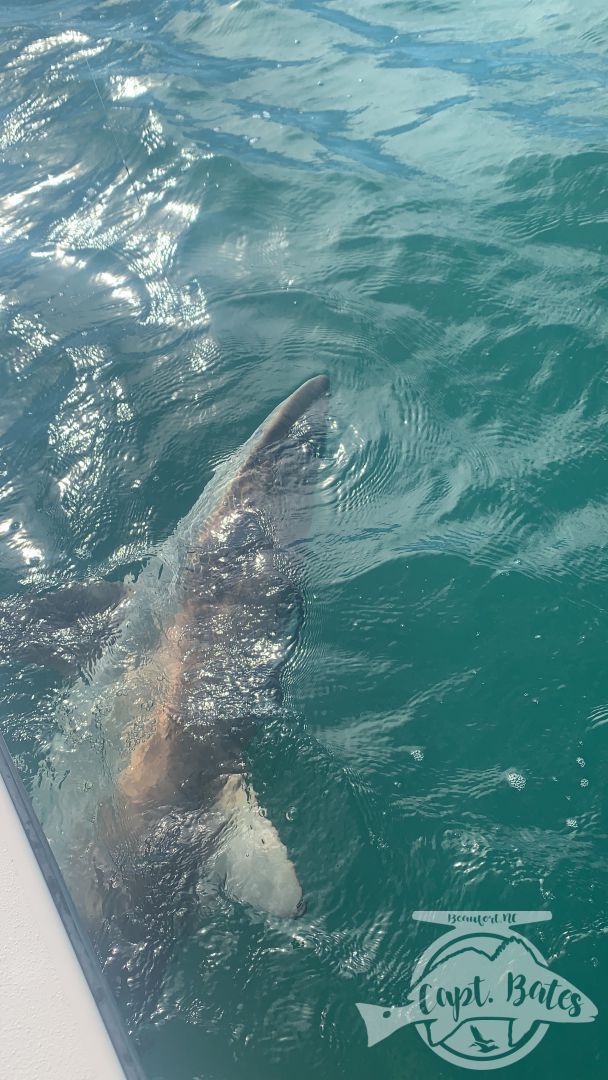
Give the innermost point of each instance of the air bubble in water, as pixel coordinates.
(515, 779)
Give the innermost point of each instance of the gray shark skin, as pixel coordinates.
(146, 781)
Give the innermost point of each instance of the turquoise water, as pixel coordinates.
(411, 197)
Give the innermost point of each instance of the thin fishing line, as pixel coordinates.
(109, 126)
(111, 130)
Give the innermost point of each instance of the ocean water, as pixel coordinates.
(202, 204)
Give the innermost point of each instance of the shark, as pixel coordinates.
(149, 768)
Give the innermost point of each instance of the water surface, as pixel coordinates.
(203, 204)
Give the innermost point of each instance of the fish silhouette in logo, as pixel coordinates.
(467, 984)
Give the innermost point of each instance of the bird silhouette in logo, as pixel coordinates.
(485, 1046)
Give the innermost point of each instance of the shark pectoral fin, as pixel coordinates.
(251, 857)
(61, 629)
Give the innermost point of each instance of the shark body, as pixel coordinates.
(152, 752)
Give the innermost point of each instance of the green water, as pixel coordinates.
(413, 198)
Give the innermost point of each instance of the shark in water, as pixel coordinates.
(150, 761)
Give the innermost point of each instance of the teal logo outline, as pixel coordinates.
(482, 996)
